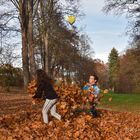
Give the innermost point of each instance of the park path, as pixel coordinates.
(11, 102)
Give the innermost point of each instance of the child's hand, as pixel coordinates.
(33, 101)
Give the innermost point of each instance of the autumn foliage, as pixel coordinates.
(72, 98)
(24, 121)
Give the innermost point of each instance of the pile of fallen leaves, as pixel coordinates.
(32, 87)
(25, 123)
(72, 98)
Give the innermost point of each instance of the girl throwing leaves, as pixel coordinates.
(44, 84)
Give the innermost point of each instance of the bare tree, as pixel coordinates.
(8, 54)
(48, 40)
(132, 10)
(25, 9)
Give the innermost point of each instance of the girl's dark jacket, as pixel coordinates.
(48, 90)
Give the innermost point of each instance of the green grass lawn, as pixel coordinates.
(121, 102)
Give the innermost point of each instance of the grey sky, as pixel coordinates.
(105, 31)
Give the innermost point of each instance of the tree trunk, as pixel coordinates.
(46, 54)
(30, 40)
(25, 62)
(24, 29)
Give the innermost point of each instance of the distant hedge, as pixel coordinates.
(10, 76)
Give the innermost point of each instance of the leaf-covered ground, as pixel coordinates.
(19, 119)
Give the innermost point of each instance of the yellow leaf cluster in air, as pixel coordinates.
(71, 19)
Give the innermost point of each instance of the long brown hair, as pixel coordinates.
(42, 76)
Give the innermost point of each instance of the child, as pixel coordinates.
(44, 84)
(93, 79)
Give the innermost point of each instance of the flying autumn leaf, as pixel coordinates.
(106, 91)
(110, 99)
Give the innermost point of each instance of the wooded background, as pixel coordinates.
(62, 50)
